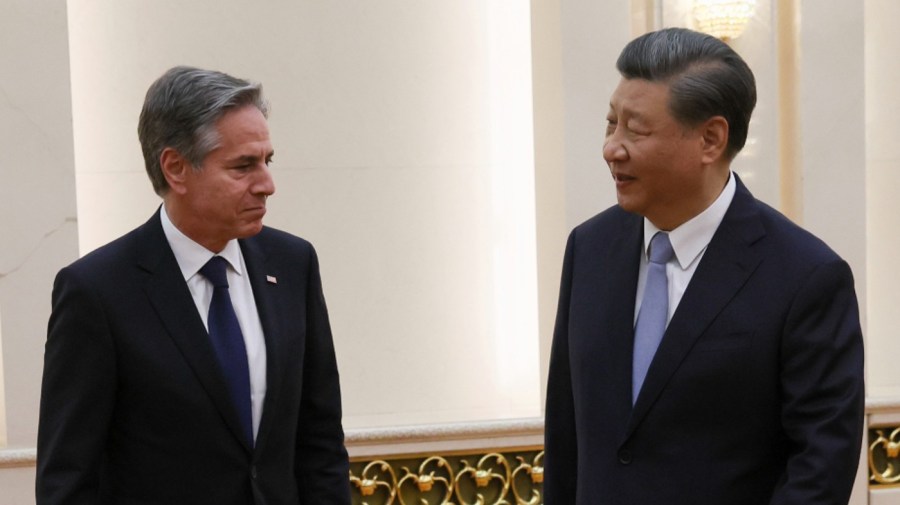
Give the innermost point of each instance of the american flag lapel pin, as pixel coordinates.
(271, 279)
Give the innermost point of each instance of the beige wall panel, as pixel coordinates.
(882, 108)
(886, 496)
(832, 119)
(37, 201)
(593, 34)
(17, 485)
(37, 214)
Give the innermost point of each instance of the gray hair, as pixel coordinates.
(706, 78)
(181, 110)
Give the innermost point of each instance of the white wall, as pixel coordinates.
(593, 34)
(37, 212)
(832, 115)
(882, 157)
(403, 139)
(37, 201)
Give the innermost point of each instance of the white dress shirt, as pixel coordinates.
(689, 241)
(191, 257)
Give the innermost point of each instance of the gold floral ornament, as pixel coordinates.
(426, 480)
(536, 471)
(883, 458)
(483, 475)
(374, 476)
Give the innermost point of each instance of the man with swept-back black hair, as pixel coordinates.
(706, 78)
(706, 350)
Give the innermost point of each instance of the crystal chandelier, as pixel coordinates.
(724, 19)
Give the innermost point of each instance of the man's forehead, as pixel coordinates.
(638, 96)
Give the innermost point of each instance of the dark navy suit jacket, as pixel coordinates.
(755, 395)
(134, 408)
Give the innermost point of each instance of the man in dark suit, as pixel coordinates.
(191, 360)
(751, 389)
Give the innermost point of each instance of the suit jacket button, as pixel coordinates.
(253, 472)
(625, 457)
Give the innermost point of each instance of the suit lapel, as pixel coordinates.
(169, 295)
(623, 263)
(726, 265)
(265, 294)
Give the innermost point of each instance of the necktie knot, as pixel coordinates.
(661, 248)
(214, 271)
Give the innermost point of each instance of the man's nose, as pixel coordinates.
(265, 184)
(613, 150)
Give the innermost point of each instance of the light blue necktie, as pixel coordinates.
(651, 321)
(228, 342)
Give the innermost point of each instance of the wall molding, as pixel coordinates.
(882, 404)
(17, 458)
(401, 440)
(429, 438)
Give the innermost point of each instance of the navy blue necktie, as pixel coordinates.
(651, 321)
(228, 342)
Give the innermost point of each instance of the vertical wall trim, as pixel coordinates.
(789, 135)
(549, 166)
(646, 16)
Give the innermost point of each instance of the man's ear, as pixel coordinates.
(714, 133)
(175, 169)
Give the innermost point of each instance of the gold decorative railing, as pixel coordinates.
(509, 476)
(495, 478)
(884, 456)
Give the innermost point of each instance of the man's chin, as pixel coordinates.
(627, 204)
(251, 230)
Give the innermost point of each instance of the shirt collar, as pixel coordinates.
(190, 255)
(691, 238)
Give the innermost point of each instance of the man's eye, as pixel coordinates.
(637, 131)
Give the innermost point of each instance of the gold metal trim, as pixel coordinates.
(425, 480)
(536, 471)
(884, 457)
(370, 482)
(467, 478)
(483, 475)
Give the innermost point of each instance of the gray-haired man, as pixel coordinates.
(191, 360)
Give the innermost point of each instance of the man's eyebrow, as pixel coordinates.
(250, 157)
(630, 112)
